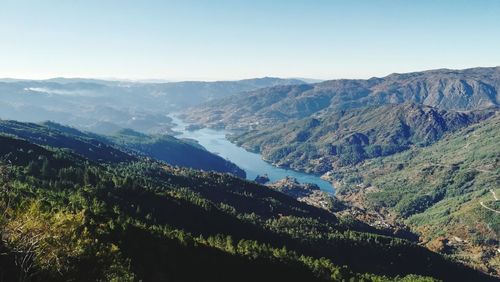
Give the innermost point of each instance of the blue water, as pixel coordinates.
(215, 141)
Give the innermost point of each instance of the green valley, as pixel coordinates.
(68, 217)
(250, 141)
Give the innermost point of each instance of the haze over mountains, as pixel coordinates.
(108, 106)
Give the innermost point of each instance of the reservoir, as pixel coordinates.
(215, 141)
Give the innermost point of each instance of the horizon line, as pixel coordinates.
(199, 79)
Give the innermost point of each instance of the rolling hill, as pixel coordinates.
(107, 106)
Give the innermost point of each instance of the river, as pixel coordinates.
(215, 141)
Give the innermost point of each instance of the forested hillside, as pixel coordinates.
(250, 141)
(67, 217)
(111, 149)
(340, 138)
(447, 192)
(174, 151)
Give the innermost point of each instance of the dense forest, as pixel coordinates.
(66, 216)
(123, 145)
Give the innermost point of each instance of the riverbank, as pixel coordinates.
(215, 141)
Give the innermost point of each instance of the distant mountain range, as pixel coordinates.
(460, 90)
(107, 106)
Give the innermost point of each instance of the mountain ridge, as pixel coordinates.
(458, 90)
(347, 137)
(125, 146)
(106, 106)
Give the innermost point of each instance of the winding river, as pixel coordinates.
(215, 141)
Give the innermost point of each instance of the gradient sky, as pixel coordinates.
(186, 40)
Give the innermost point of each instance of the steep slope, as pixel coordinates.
(149, 221)
(52, 135)
(468, 89)
(447, 192)
(112, 148)
(174, 151)
(348, 137)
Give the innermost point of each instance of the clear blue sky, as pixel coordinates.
(239, 39)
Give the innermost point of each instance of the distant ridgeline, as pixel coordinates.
(107, 106)
(76, 207)
(459, 90)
